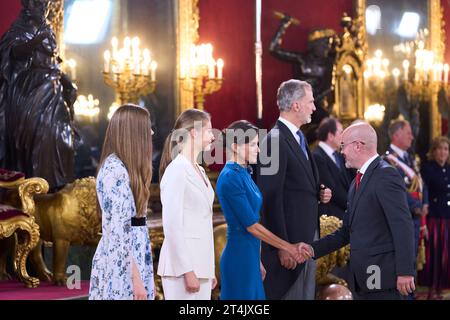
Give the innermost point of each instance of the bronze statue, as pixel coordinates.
(36, 100)
(314, 66)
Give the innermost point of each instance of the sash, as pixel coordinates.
(416, 187)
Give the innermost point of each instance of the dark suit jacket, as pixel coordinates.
(290, 203)
(378, 227)
(413, 203)
(338, 181)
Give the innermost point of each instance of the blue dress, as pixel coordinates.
(120, 242)
(240, 199)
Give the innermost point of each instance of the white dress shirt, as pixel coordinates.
(401, 153)
(292, 127)
(366, 165)
(328, 150)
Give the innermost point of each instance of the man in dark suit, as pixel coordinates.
(288, 179)
(398, 156)
(331, 167)
(378, 224)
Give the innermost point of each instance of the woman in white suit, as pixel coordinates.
(186, 261)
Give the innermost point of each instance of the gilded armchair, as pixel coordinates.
(18, 223)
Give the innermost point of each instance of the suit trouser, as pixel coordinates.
(304, 288)
(175, 289)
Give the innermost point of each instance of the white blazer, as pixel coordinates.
(187, 221)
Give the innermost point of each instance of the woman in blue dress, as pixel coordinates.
(241, 270)
(122, 266)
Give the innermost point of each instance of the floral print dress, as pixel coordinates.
(120, 242)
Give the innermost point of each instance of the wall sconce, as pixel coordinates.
(201, 73)
(375, 113)
(130, 71)
(71, 69)
(86, 109)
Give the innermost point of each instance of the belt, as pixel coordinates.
(138, 222)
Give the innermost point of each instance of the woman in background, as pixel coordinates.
(241, 270)
(186, 261)
(436, 175)
(122, 266)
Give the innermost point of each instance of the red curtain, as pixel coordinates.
(230, 27)
(9, 11)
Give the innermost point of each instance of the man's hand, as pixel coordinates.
(325, 194)
(405, 284)
(286, 260)
(306, 251)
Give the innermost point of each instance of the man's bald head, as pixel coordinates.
(359, 144)
(362, 132)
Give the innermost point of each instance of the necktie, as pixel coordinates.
(337, 159)
(358, 179)
(303, 143)
(406, 159)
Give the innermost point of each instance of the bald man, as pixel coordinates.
(377, 225)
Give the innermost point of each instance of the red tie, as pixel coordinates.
(358, 179)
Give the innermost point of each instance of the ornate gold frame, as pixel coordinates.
(351, 50)
(437, 45)
(188, 18)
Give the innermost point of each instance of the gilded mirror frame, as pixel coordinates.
(186, 33)
(437, 45)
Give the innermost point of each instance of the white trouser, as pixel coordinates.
(175, 289)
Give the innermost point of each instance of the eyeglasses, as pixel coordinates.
(346, 144)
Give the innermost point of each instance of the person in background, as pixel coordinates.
(398, 155)
(436, 174)
(331, 167)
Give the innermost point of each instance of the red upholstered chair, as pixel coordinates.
(18, 221)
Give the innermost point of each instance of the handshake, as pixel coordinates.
(295, 254)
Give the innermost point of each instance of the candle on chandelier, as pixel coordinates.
(136, 52)
(219, 68)
(107, 58)
(446, 69)
(183, 68)
(153, 67)
(435, 72)
(396, 74)
(211, 65)
(114, 43)
(440, 69)
(146, 62)
(406, 69)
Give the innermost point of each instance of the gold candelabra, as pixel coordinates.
(201, 74)
(426, 77)
(130, 71)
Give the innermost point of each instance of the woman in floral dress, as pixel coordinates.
(122, 267)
